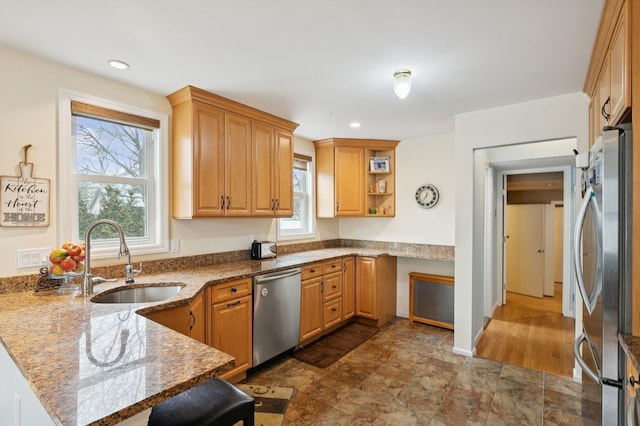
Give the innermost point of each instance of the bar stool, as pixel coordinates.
(215, 402)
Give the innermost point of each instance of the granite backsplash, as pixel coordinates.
(446, 253)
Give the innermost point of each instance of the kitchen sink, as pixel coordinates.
(146, 294)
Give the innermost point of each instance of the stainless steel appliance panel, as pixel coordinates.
(276, 314)
(604, 281)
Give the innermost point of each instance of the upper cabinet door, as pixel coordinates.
(619, 63)
(208, 161)
(283, 174)
(349, 181)
(238, 165)
(263, 199)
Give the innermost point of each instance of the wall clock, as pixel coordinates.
(427, 196)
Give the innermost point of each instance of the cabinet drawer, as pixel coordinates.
(332, 266)
(230, 290)
(332, 312)
(311, 271)
(332, 285)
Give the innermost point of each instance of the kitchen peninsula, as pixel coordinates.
(94, 363)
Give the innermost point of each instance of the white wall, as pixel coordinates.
(558, 117)
(418, 161)
(28, 114)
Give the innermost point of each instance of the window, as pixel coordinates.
(300, 225)
(112, 164)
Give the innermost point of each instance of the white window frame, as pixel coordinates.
(67, 199)
(285, 235)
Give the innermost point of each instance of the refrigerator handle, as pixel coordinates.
(576, 352)
(589, 300)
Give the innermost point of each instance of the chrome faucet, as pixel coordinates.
(88, 280)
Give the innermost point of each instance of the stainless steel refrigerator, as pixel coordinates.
(602, 259)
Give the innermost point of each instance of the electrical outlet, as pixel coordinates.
(29, 258)
(175, 246)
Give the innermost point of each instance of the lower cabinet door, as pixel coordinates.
(231, 327)
(366, 288)
(310, 308)
(197, 327)
(348, 287)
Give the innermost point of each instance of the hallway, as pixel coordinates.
(532, 333)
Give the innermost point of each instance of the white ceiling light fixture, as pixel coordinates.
(402, 83)
(354, 125)
(117, 64)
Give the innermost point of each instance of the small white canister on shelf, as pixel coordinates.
(382, 185)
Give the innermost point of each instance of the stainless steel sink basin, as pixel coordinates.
(146, 294)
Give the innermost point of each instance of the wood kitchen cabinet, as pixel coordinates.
(311, 302)
(272, 189)
(346, 185)
(348, 287)
(376, 288)
(609, 76)
(332, 293)
(197, 318)
(349, 176)
(321, 306)
(187, 319)
(213, 142)
(231, 324)
(176, 318)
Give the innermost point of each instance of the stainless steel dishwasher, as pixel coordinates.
(276, 314)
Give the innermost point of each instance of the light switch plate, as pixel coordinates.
(29, 258)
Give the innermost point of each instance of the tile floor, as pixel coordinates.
(407, 374)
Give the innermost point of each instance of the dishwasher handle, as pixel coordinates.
(276, 276)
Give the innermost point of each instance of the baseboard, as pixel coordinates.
(402, 314)
(464, 352)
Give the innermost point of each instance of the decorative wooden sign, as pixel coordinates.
(24, 200)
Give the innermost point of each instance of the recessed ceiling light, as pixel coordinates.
(119, 65)
(354, 125)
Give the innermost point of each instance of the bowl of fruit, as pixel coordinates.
(67, 263)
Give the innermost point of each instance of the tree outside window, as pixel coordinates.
(112, 164)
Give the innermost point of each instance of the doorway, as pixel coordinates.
(547, 321)
(528, 328)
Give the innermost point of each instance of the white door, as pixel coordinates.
(525, 249)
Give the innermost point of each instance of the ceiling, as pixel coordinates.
(325, 64)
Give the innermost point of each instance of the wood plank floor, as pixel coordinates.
(532, 333)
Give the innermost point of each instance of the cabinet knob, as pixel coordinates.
(633, 381)
(333, 309)
(312, 271)
(334, 286)
(233, 289)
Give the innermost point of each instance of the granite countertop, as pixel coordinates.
(631, 346)
(92, 363)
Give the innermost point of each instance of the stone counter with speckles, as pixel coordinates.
(631, 346)
(92, 363)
